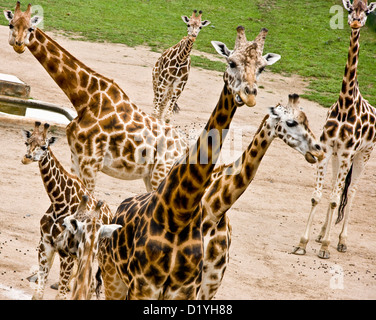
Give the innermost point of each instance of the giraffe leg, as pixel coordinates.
(75, 167)
(161, 95)
(66, 267)
(177, 90)
(89, 168)
(114, 286)
(158, 173)
(335, 167)
(316, 197)
(46, 255)
(359, 163)
(149, 187)
(344, 167)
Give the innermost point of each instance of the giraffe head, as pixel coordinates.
(21, 25)
(244, 65)
(81, 236)
(358, 12)
(37, 143)
(194, 23)
(291, 125)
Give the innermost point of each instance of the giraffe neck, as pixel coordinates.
(184, 187)
(57, 180)
(77, 81)
(185, 49)
(350, 88)
(235, 178)
(84, 270)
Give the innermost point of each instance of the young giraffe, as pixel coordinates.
(158, 253)
(228, 182)
(348, 136)
(171, 71)
(110, 134)
(65, 191)
(85, 229)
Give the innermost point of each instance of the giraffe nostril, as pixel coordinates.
(27, 156)
(249, 91)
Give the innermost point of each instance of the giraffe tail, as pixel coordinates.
(176, 108)
(99, 282)
(343, 202)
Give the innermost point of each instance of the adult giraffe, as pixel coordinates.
(228, 183)
(158, 253)
(171, 71)
(110, 133)
(348, 137)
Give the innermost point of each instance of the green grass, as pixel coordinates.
(298, 30)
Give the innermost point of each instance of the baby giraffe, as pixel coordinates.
(171, 71)
(65, 192)
(81, 236)
(228, 182)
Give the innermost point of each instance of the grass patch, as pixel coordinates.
(298, 30)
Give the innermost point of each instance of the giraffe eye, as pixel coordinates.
(44, 148)
(291, 123)
(11, 26)
(30, 29)
(232, 64)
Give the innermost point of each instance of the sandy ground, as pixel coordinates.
(267, 220)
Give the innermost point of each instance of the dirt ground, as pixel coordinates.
(267, 220)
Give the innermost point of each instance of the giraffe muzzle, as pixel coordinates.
(19, 48)
(355, 24)
(314, 157)
(26, 159)
(249, 100)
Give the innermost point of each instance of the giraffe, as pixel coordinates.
(158, 252)
(171, 71)
(348, 137)
(228, 182)
(110, 133)
(64, 191)
(85, 229)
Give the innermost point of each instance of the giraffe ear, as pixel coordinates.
(271, 58)
(36, 20)
(371, 7)
(107, 230)
(274, 113)
(26, 134)
(221, 48)
(205, 23)
(52, 141)
(347, 4)
(72, 224)
(185, 19)
(8, 15)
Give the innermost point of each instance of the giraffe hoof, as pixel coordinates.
(299, 251)
(341, 248)
(319, 239)
(55, 286)
(33, 278)
(324, 254)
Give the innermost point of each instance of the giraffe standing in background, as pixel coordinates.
(171, 71)
(348, 137)
(65, 192)
(85, 229)
(158, 253)
(110, 133)
(228, 182)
